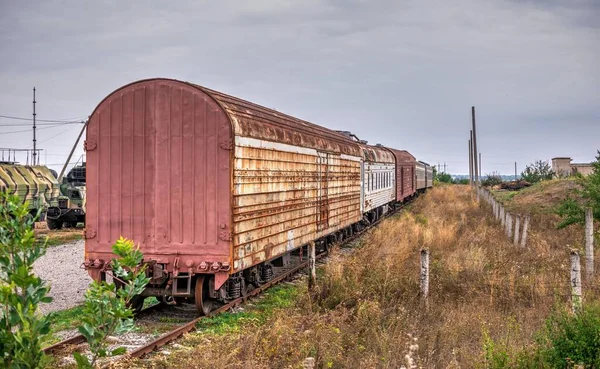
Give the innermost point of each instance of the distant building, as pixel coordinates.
(564, 168)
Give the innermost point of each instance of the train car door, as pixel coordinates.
(362, 186)
(323, 192)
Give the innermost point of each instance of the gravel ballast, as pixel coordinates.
(61, 268)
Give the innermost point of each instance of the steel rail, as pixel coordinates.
(79, 338)
(191, 325)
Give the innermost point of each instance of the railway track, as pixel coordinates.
(79, 339)
(162, 340)
(165, 338)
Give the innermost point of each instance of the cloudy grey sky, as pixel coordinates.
(401, 73)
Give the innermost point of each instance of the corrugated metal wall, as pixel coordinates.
(408, 181)
(158, 168)
(286, 196)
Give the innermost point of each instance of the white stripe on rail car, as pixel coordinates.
(254, 142)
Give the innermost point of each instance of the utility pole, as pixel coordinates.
(34, 140)
(472, 159)
(470, 164)
(475, 151)
(515, 170)
(445, 167)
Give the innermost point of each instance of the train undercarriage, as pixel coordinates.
(199, 288)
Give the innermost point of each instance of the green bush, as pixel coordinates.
(492, 180)
(107, 308)
(538, 171)
(22, 329)
(572, 339)
(567, 340)
(573, 211)
(442, 178)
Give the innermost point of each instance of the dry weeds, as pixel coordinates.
(367, 312)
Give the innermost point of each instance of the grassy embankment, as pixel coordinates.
(488, 298)
(59, 237)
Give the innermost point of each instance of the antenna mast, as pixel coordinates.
(34, 159)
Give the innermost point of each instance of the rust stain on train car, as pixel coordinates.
(203, 181)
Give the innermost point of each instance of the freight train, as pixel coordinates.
(218, 191)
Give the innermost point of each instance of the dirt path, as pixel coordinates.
(60, 267)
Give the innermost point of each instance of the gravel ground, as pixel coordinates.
(60, 267)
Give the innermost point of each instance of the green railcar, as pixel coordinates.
(36, 184)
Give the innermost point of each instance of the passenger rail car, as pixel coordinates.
(218, 191)
(424, 176)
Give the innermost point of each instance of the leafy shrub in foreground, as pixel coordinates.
(569, 339)
(566, 341)
(106, 310)
(22, 329)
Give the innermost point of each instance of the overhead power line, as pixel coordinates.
(39, 124)
(56, 135)
(42, 120)
(28, 130)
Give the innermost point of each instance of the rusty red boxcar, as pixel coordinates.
(406, 185)
(218, 191)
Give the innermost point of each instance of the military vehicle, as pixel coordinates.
(34, 183)
(69, 206)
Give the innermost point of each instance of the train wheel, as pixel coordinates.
(204, 304)
(54, 223)
(137, 303)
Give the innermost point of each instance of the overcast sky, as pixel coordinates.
(401, 73)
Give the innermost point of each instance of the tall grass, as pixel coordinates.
(367, 312)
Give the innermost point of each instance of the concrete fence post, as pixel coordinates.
(424, 274)
(312, 273)
(517, 226)
(589, 243)
(576, 291)
(524, 233)
(508, 225)
(309, 363)
(502, 216)
(497, 211)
